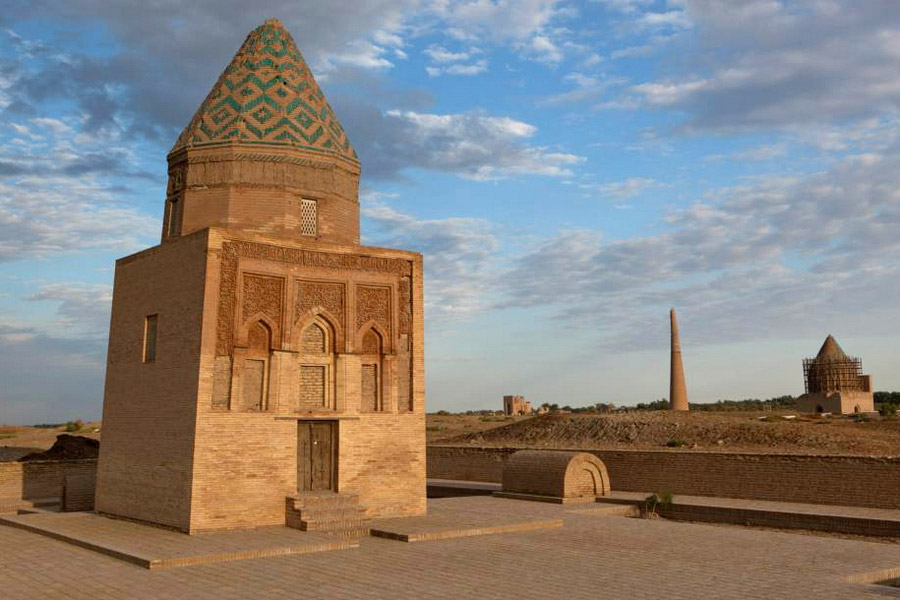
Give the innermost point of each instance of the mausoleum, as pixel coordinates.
(259, 354)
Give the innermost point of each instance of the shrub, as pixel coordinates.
(676, 443)
(888, 409)
(654, 501)
(73, 426)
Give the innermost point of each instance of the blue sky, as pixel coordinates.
(569, 169)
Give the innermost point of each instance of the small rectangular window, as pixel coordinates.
(150, 324)
(174, 217)
(309, 218)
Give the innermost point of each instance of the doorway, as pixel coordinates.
(316, 456)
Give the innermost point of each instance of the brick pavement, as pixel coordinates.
(591, 556)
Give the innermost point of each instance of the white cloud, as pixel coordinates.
(778, 65)
(545, 49)
(56, 197)
(497, 19)
(439, 54)
(778, 256)
(459, 253)
(622, 190)
(476, 68)
(83, 307)
(586, 88)
(475, 146)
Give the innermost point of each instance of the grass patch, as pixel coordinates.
(6, 436)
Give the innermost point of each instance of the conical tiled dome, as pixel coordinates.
(831, 350)
(267, 95)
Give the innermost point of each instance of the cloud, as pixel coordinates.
(516, 20)
(622, 190)
(776, 65)
(586, 87)
(780, 254)
(439, 54)
(146, 84)
(49, 379)
(755, 154)
(473, 145)
(59, 196)
(459, 253)
(476, 68)
(83, 307)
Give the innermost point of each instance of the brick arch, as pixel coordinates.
(553, 474)
(243, 338)
(324, 319)
(372, 326)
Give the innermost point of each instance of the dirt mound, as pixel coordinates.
(67, 447)
(697, 431)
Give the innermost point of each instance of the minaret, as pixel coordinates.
(678, 398)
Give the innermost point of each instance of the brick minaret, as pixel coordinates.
(678, 398)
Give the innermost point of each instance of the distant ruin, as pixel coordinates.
(516, 406)
(835, 383)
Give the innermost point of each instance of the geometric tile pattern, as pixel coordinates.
(267, 95)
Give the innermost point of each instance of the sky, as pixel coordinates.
(570, 171)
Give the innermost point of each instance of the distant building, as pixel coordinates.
(543, 409)
(835, 383)
(678, 398)
(516, 405)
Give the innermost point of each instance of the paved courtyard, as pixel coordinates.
(591, 556)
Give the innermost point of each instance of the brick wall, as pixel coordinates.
(847, 480)
(38, 480)
(149, 409)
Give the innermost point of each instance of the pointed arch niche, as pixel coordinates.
(251, 368)
(316, 351)
(372, 350)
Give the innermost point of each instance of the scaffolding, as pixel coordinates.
(827, 375)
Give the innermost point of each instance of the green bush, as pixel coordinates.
(73, 426)
(676, 443)
(888, 409)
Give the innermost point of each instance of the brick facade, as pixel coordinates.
(262, 327)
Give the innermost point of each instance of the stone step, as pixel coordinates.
(316, 499)
(331, 524)
(336, 513)
(351, 533)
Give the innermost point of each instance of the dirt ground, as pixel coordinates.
(645, 430)
(16, 441)
(653, 430)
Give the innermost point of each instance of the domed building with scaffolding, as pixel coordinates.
(835, 383)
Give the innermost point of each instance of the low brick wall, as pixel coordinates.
(841, 480)
(38, 480)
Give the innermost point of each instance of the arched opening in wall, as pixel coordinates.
(255, 368)
(586, 483)
(856, 409)
(316, 367)
(372, 365)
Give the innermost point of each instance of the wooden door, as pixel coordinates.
(315, 455)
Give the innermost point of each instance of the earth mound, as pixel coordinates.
(67, 447)
(720, 432)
